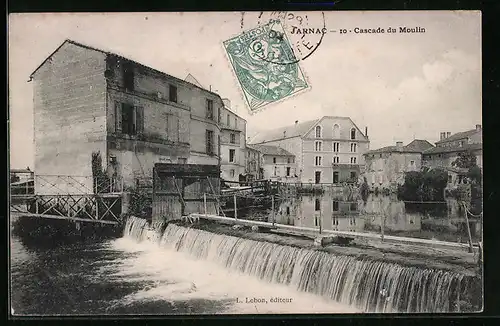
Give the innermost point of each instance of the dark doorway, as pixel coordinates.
(318, 177)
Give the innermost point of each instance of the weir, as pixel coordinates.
(369, 285)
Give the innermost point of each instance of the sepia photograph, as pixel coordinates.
(261, 162)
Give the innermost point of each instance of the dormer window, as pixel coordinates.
(353, 133)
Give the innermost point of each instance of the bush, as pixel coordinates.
(425, 185)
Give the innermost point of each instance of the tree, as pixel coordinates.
(465, 160)
(14, 178)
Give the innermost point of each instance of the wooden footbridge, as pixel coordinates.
(75, 198)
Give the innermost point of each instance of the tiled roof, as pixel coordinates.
(416, 146)
(466, 147)
(270, 150)
(295, 130)
(459, 135)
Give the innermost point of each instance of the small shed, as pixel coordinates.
(181, 189)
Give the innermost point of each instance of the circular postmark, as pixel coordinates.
(302, 31)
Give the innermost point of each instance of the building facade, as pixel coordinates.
(88, 100)
(253, 162)
(327, 150)
(450, 146)
(232, 143)
(277, 163)
(385, 167)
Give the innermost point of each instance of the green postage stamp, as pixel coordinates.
(265, 65)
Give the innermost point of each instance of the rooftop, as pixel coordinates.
(298, 129)
(190, 81)
(270, 150)
(465, 147)
(416, 146)
(459, 135)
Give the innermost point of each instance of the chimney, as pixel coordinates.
(448, 134)
(478, 127)
(399, 144)
(366, 131)
(442, 136)
(227, 103)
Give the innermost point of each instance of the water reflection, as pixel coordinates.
(441, 221)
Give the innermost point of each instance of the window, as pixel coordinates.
(353, 147)
(317, 204)
(336, 131)
(450, 178)
(318, 145)
(209, 141)
(231, 173)
(172, 93)
(335, 220)
(353, 160)
(288, 210)
(353, 175)
(317, 161)
(274, 160)
(128, 76)
(335, 160)
(318, 131)
(231, 155)
(287, 171)
(235, 123)
(288, 160)
(219, 115)
(353, 207)
(335, 177)
(172, 128)
(129, 119)
(275, 171)
(227, 121)
(353, 133)
(210, 109)
(336, 147)
(335, 206)
(232, 139)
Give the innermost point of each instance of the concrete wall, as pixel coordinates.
(69, 112)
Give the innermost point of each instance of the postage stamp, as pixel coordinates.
(265, 65)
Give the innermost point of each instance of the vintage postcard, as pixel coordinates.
(245, 163)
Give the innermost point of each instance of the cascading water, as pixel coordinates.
(368, 285)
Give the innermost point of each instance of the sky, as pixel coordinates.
(401, 86)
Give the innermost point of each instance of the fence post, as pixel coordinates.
(272, 208)
(468, 229)
(320, 224)
(235, 208)
(205, 203)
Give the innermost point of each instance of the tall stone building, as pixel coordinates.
(89, 100)
(327, 150)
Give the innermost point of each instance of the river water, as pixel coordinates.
(187, 271)
(122, 276)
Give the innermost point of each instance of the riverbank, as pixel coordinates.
(456, 260)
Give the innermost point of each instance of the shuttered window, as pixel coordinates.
(129, 119)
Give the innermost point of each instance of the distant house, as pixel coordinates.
(327, 150)
(449, 146)
(232, 143)
(253, 164)
(386, 166)
(277, 163)
(88, 100)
